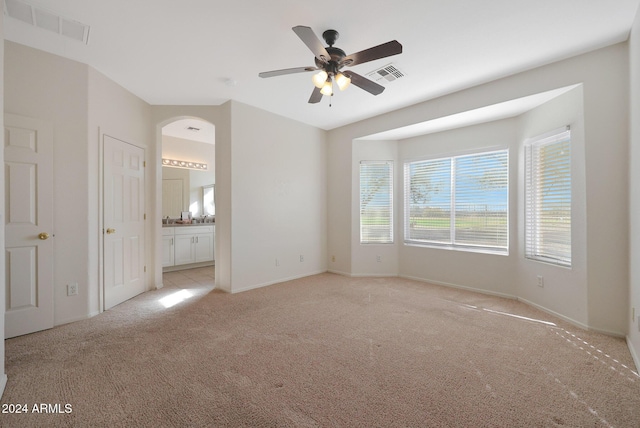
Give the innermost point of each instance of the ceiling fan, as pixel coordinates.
(331, 60)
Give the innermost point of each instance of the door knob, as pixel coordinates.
(43, 236)
(110, 231)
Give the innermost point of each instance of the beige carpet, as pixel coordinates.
(325, 351)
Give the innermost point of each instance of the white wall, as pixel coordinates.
(190, 150)
(82, 105)
(340, 200)
(278, 198)
(633, 334)
(276, 178)
(487, 272)
(604, 76)
(3, 376)
(196, 151)
(48, 87)
(375, 259)
(115, 112)
(565, 290)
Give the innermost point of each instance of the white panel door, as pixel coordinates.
(124, 246)
(28, 225)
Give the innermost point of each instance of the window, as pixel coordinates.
(548, 198)
(458, 202)
(376, 202)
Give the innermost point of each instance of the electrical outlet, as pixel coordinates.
(301, 258)
(277, 262)
(72, 289)
(333, 258)
(379, 259)
(540, 281)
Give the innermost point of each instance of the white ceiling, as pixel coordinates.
(205, 52)
(471, 117)
(191, 129)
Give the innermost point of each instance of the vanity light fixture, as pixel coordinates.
(184, 164)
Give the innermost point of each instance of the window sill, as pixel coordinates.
(481, 250)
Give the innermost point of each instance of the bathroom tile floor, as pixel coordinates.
(199, 278)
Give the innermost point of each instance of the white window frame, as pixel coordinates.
(451, 241)
(546, 240)
(382, 200)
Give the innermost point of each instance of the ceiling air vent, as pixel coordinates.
(386, 74)
(47, 20)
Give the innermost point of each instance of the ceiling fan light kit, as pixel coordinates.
(319, 79)
(342, 81)
(330, 61)
(327, 88)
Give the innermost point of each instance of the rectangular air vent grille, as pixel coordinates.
(47, 20)
(386, 74)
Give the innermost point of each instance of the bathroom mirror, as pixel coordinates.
(208, 200)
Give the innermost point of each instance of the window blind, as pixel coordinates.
(428, 201)
(461, 201)
(376, 202)
(481, 200)
(548, 198)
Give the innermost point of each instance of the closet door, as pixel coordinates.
(29, 243)
(123, 202)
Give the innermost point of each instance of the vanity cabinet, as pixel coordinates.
(204, 246)
(167, 246)
(189, 244)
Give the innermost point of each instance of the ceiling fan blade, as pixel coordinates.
(381, 51)
(364, 83)
(316, 96)
(286, 71)
(312, 41)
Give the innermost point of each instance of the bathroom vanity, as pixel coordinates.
(186, 246)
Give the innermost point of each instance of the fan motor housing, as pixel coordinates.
(333, 65)
(330, 36)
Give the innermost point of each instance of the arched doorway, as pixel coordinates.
(187, 195)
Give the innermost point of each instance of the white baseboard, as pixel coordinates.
(525, 301)
(3, 384)
(373, 275)
(462, 287)
(337, 272)
(558, 315)
(364, 275)
(70, 320)
(277, 281)
(632, 350)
